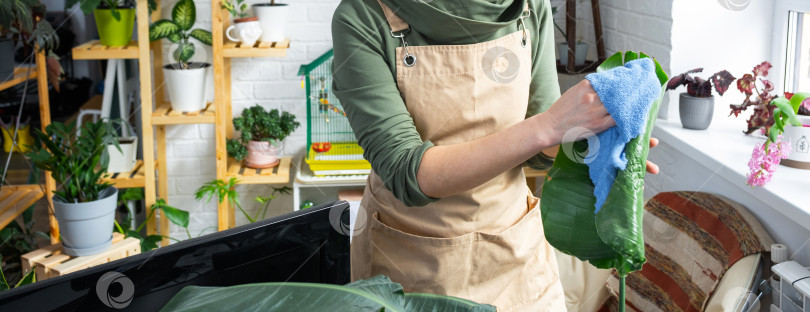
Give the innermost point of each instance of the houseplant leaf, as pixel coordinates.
(203, 36)
(162, 29)
(613, 238)
(184, 14)
(375, 294)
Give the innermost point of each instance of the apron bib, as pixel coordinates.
(485, 244)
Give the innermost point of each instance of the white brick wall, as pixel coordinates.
(272, 83)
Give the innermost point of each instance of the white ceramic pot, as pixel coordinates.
(187, 86)
(248, 30)
(261, 155)
(273, 20)
(696, 112)
(123, 161)
(799, 138)
(86, 228)
(581, 51)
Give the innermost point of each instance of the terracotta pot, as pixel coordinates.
(261, 155)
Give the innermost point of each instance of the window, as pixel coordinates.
(791, 41)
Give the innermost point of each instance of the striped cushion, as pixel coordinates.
(691, 239)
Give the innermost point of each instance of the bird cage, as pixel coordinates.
(332, 148)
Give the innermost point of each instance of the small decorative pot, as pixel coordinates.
(123, 161)
(261, 155)
(696, 112)
(7, 61)
(187, 86)
(111, 32)
(579, 55)
(799, 138)
(273, 20)
(86, 228)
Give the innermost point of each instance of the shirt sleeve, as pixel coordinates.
(544, 89)
(365, 86)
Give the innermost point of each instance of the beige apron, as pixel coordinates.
(485, 244)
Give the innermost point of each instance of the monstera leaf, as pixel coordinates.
(375, 294)
(613, 238)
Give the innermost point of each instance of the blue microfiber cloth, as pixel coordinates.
(627, 93)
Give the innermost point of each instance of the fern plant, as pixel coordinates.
(222, 189)
(178, 30)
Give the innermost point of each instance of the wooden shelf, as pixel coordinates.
(19, 77)
(50, 262)
(277, 175)
(93, 50)
(165, 115)
(132, 179)
(14, 199)
(260, 49)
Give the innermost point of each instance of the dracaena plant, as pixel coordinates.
(257, 124)
(699, 87)
(76, 162)
(88, 6)
(237, 8)
(178, 30)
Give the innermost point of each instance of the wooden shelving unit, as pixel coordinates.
(16, 198)
(93, 50)
(223, 53)
(156, 112)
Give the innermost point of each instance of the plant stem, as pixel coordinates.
(621, 293)
(118, 226)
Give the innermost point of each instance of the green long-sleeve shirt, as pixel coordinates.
(364, 71)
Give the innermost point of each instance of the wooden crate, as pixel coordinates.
(51, 262)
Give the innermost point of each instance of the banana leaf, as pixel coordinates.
(614, 237)
(378, 293)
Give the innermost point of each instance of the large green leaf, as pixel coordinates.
(184, 52)
(184, 14)
(375, 294)
(614, 237)
(177, 216)
(203, 36)
(163, 29)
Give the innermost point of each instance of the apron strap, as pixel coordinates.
(396, 23)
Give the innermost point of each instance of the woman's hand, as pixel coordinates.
(651, 166)
(579, 107)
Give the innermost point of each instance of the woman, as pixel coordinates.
(448, 98)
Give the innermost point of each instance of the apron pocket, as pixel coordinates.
(422, 264)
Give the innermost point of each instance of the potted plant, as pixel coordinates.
(273, 19)
(248, 29)
(122, 157)
(21, 22)
(798, 136)
(261, 133)
(222, 190)
(114, 19)
(580, 50)
(184, 79)
(84, 205)
(697, 103)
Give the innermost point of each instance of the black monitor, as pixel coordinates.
(303, 246)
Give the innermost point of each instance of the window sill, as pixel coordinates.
(726, 150)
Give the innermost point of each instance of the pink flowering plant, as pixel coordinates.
(766, 157)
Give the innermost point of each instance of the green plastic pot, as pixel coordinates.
(111, 32)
